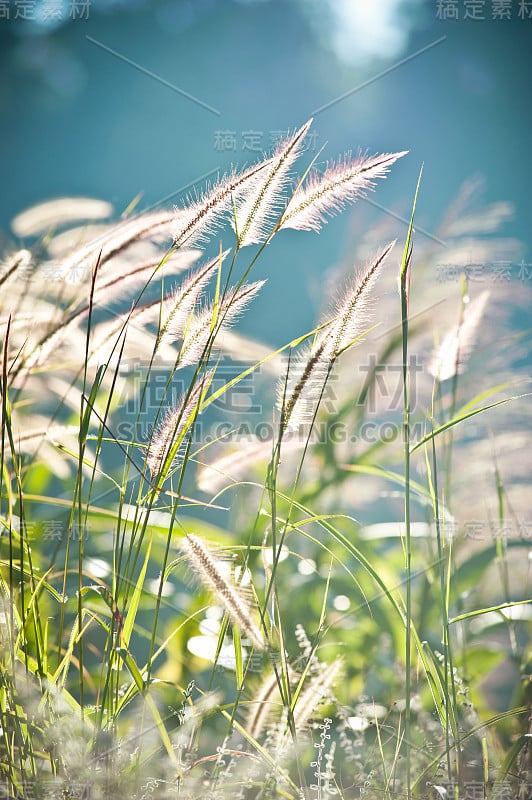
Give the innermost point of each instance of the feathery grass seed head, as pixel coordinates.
(342, 183)
(451, 356)
(298, 397)
(200, 331)
(229, 595)
(166, 441)
(258, 206)
(196, 222)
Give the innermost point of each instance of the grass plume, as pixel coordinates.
(225, 591)
(342, 182)
(299, 400)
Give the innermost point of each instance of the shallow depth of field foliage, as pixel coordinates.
(231, 572)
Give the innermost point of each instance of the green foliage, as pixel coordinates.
(190, 611)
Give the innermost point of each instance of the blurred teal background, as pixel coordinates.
(77, 119)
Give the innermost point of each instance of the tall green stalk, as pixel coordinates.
(404, 291)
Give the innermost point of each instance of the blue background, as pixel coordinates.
(78, 120)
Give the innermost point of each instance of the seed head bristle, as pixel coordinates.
(166, 441)
(199, 331)
(258, 206)
(320, 688)
(266, 700)
(178, 308)
(228, 594)
(456, 348)
(114, 241)
(298, 398)
(342, 183)
(199, 219)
